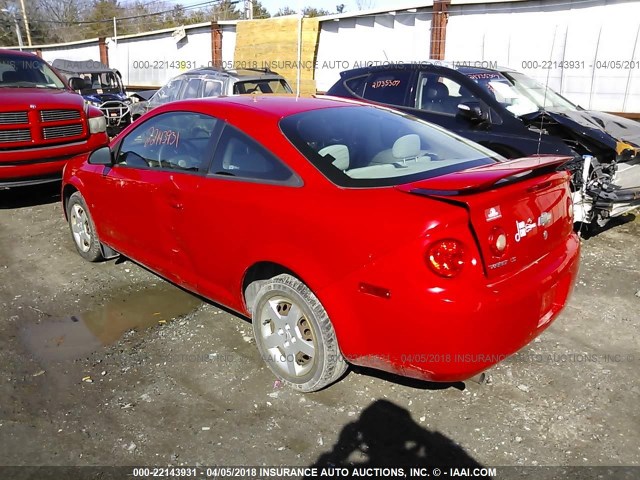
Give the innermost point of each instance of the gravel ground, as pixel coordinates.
(107, 364)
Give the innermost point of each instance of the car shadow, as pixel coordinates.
(30, 196)
(588, 231)
(386, 435)
(405, 381)
(359, 370)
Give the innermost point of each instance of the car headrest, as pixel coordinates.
(339, 152)
(436, 91)
(407, 146)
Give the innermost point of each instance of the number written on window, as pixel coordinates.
(156, 136)
(385, 83)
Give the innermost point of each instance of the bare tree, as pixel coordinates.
(365, 4)
(282, 11)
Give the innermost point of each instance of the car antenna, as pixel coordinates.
(546, 88)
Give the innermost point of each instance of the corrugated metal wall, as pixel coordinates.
(154, 59)
(571, 44)
(586, 37)
(353, 42)
(151, 59)
(79, 51)
(589, 50)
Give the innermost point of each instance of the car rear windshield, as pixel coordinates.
(365, 146)
(261, 86)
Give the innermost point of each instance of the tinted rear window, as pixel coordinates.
(261, 86)
(362, 146)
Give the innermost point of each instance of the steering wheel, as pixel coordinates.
(185, 156)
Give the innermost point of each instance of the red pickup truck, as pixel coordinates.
(43, 123)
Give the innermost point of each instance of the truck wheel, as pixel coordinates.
(83, 231)
(295, 336)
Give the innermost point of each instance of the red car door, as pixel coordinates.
(145, 197)
(129, 221)
(224, 213)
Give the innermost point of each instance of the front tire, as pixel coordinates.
(83, 230)
(295, 336)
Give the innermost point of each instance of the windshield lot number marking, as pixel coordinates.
(162, 137)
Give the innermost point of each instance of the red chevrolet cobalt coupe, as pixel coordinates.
(347, 232)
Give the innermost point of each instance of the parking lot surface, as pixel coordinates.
(107, 364)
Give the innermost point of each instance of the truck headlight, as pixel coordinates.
(97, 124)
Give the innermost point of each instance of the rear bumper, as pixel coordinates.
(39, 165)
(452, 333)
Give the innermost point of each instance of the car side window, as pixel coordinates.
(170, 141)
(441, 94)
(192, 87)
(388, 86)
(238, 155)
(212, 88)
(356, 85)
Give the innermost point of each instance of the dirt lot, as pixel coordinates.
(107, 364)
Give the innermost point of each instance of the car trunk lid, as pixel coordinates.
(527, 200)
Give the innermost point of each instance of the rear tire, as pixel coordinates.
(295, 336)
(83, 230)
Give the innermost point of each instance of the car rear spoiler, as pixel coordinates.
(485, 177)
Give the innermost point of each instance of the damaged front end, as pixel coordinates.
(606, 170)
(602, 191)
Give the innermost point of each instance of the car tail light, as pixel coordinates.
(446, 257)
(498, 241)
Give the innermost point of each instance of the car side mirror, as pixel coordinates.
(102, 156)
(473, 112)
(76, 83)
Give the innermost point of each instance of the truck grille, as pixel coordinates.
(40, 128)
(10, 118)
(10, 136)
(116, 112)
(58, 115)
(62, 131)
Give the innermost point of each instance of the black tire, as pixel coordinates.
(82, 228)
(309, 324)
